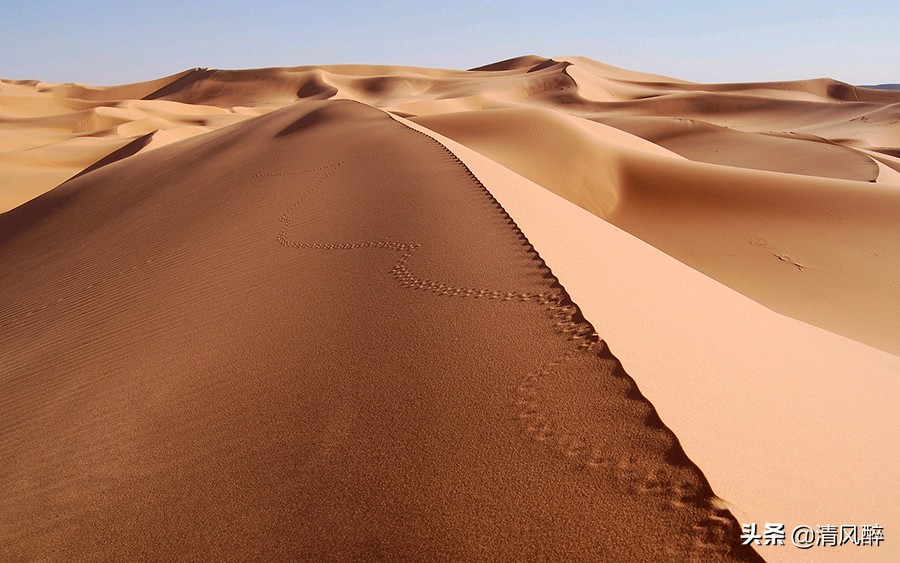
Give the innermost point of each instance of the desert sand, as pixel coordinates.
(544, 308)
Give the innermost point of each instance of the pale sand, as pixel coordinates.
(49, 133)
(760, 401)
(818, 249)
(786, 192)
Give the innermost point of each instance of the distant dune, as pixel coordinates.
(542, 308)
(883, 86)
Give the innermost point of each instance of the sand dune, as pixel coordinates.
(703, 142)
(249, 317)
(752, 411)
(319, 312)
(819, 250)
(49, 133)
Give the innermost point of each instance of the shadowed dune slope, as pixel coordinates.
(818, 249)
(315, 334)
(703, 142)
(47, 138)
(107, 93)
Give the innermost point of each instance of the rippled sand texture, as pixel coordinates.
(317, 334)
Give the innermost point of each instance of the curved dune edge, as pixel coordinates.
(204, 393)
(818, 249)
(40, 121)
(789, 422)
(784, 191)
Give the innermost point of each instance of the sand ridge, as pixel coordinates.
(772, 379)
(133, 439)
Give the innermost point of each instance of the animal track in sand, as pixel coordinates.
(671, 483)
(401, 270)
(763, 242)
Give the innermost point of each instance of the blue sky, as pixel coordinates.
(102, 42)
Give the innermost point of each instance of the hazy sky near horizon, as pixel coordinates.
(101, 42)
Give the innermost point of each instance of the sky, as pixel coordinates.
(104, 43)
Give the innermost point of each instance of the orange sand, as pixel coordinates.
(260, 323)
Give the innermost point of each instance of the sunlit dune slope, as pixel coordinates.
(821, 250)
(729, 376)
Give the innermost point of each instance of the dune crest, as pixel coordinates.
(232, 360)
(275, 296)
(804, 133)
(770, 378)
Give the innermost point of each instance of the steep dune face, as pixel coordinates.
(315, 334)
(704, 142)
(820, 250)
(576, 159)
(728, 375)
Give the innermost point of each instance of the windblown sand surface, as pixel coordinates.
(263, 321)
